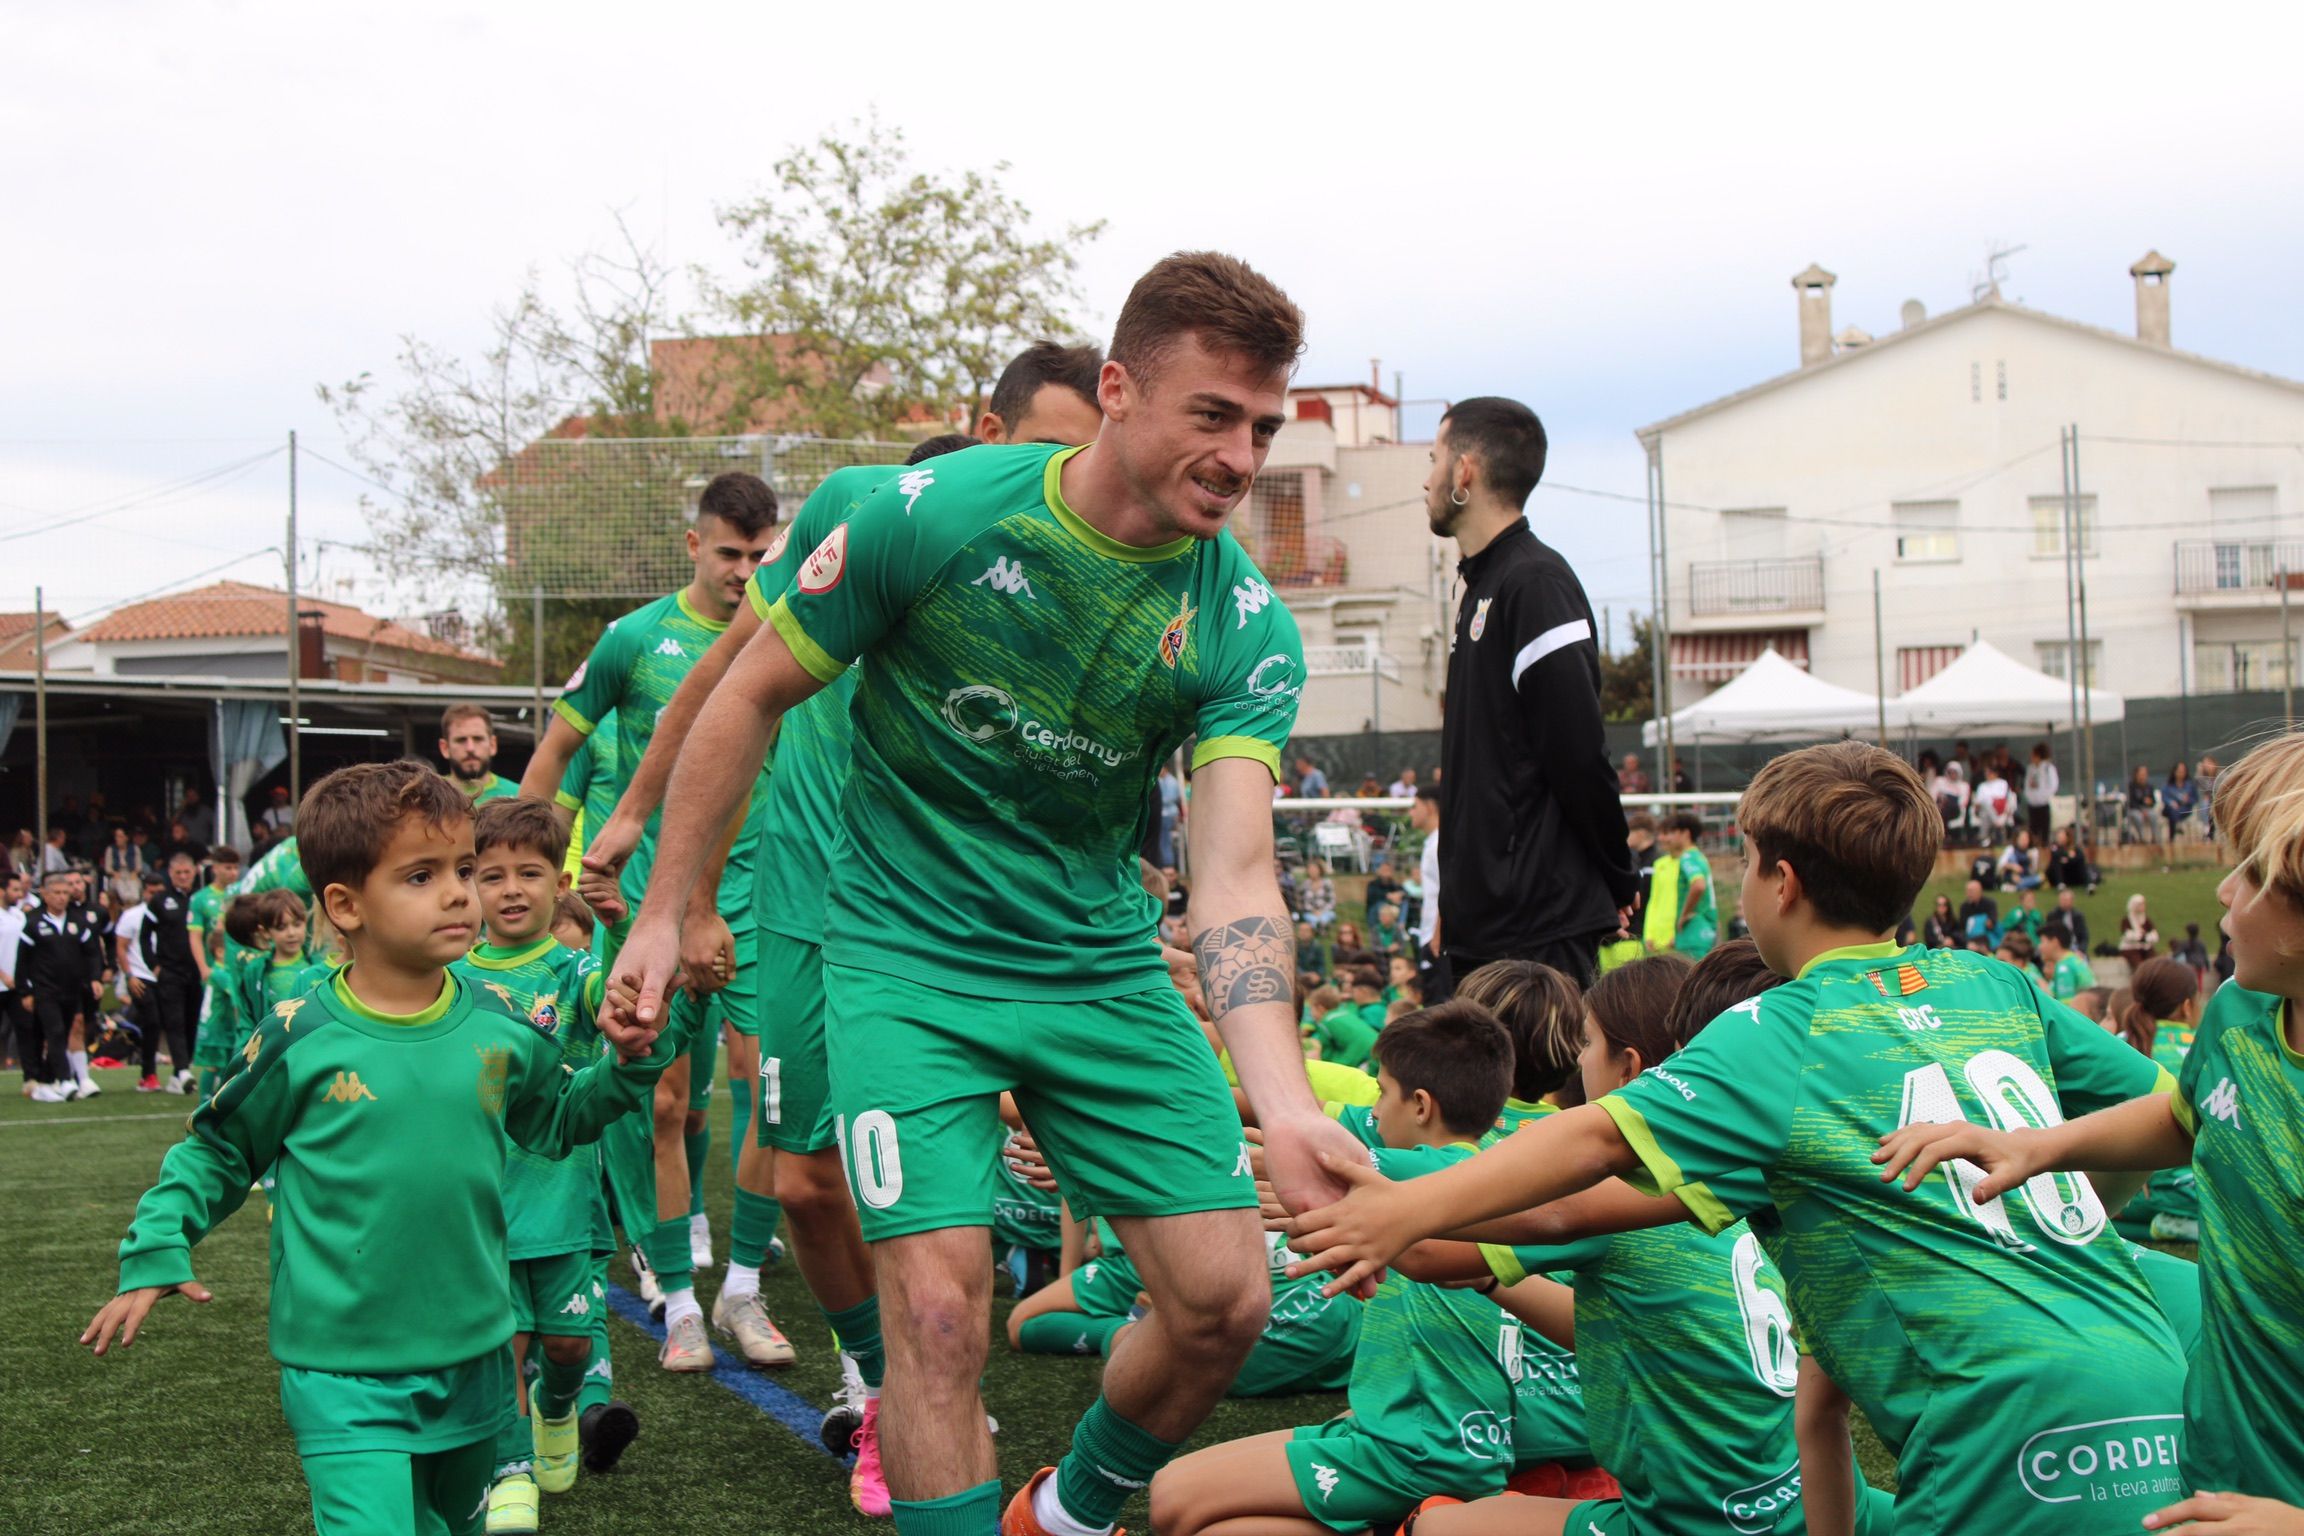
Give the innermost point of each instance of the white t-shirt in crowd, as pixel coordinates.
(1428, 875)
(127, 929)
(11, 935)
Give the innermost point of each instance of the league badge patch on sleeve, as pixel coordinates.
(821, 572)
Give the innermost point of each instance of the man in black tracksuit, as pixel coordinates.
(176, 994)
(1533, 863)
(56, 971)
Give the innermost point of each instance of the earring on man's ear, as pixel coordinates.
(1459, 497)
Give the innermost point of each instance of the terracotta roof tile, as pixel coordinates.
(235, 608)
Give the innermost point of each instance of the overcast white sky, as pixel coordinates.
(211, 207)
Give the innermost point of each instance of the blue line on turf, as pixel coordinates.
(786, 1407)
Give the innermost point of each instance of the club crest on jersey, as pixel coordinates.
(776, 550)
(821, 572)
(1480, 617)
(546, 1014)
(1178, 633)
(495, 1069)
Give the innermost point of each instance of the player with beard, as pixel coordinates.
(468, 742)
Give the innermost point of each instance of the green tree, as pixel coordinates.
(1628, 680)
(877, 290)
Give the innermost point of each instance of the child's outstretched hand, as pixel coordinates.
(621, 1024)
(1360, 1234)
(2239, 1514)
(124, 1314)
(2008, 1158)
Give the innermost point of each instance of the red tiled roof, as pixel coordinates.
(16, 648)
(235, 608)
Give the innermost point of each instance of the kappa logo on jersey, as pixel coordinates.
(1480, 617)
(1005, 576)
(1178, 633)
(669, 647)
(1249, 598)
(346, 1089)
(911, 483)
(822, 570)
(2223, 1101)
(1244, 1167)
(287, 1011)
(577, 1305)
(1326, 1478)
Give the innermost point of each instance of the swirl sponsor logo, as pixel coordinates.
(982, 713)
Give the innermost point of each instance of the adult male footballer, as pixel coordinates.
(1036, 629)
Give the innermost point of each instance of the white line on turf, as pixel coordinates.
(11, 1125)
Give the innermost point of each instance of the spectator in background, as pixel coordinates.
(1311, 783)
(2193, 953)
(199, 821)
(2018, 867)
(1950, 788)
(1979, 916)
(2143, 805)
(1313, 952)
(280, 816)
(1424, 817)
(2179, 797)
(54, 858)
(2207, 783)
(1629, 779)
(1316, 895)
(124, 868)
(24, 854)
(179, 841)
(1351, 943)
(1384, 886)
(2074, 920)
(1942, 930)
(1171, 814)
(2026, 918)
(1371, 788)
(2139, 940)
(1681, 783)
(1995, 804)
(1403, 787)
(2067, 865)
(2040, 786)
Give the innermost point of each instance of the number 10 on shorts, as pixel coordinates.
(868, 1150)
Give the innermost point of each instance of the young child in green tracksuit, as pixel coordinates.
(1431, 1387)
(552, 1206)
(387, 1101)
(276, 967)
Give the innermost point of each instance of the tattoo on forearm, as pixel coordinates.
(1250, 961)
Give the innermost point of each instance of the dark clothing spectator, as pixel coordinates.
(2068, 868)
(199, 821)
(1533, 861)
(2075, 922)
(2179, 798)
(1980, 919)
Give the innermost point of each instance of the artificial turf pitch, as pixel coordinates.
(183, 1432)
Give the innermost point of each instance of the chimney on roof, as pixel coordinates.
(2151, 274)
(1913, 313)
(1815, 289)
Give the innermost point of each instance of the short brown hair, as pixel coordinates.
(1854, 822)
(742, 500)
(1729, 975)
(570, 908)
(1632, 1003)
(1542, 1012)
(1035, 368)
(243, 916)
(466, 711)
(1366, 975)
(276, 907)
(348, 819)
(2260, 811)
(520, 823)
(1324, 1000)
(1228, 304)
(1457, 1053)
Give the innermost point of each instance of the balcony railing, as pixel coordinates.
(1717, 587)
(2238, 565)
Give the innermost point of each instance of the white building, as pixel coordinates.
(1337, 523)
(1931, 456)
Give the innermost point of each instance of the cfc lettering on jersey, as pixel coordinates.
(346, 1089)
(911, 483)
(1917, 1019)
(1005, 576)
(2223, 1101)
(1249, 598)
(495, 1068)
(822, 570)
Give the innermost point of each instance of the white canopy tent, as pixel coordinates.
(1772, 700)
(1987, 691)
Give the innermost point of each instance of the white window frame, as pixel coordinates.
(1926, 542)
(2048, 527)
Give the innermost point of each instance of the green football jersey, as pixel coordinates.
(1705, 911)
(2072, 978)
(1687, 1358)
(487, 789)
(1359, 1119)
(1515, 1114)
(206, 910)
(2170, 1192)
(1433, 1379)
(1548, 1417)
(1983, 1343)
(279, 870)
(1344, 1036)
(1023, 677)
(589, 787)
(634, 669)
(262, 983)
(2242, 1098)
(2175, 1285)
(387, 1137)
(813, 743)
(548, 1202)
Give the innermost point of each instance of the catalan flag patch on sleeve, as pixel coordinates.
(1908, 980)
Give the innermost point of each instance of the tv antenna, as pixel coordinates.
(1987, 284)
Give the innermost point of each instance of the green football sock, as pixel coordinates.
(757, 1217)
(670, 1257)
(515, 1449)
(1109, 1460)
(555, 1391)
(699, 1149)
(974, 1513)
(857, 1330)
(599, 1373)
(1068, 1333)
(740, 1123)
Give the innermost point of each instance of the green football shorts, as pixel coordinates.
(1106, 1287)
(1348, 1478)
(795, 1073)
(407, 1412)
(1306, 1346)
(1122, 1093)
(1875, 1516)
(553, 1295)
(388, 1493)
